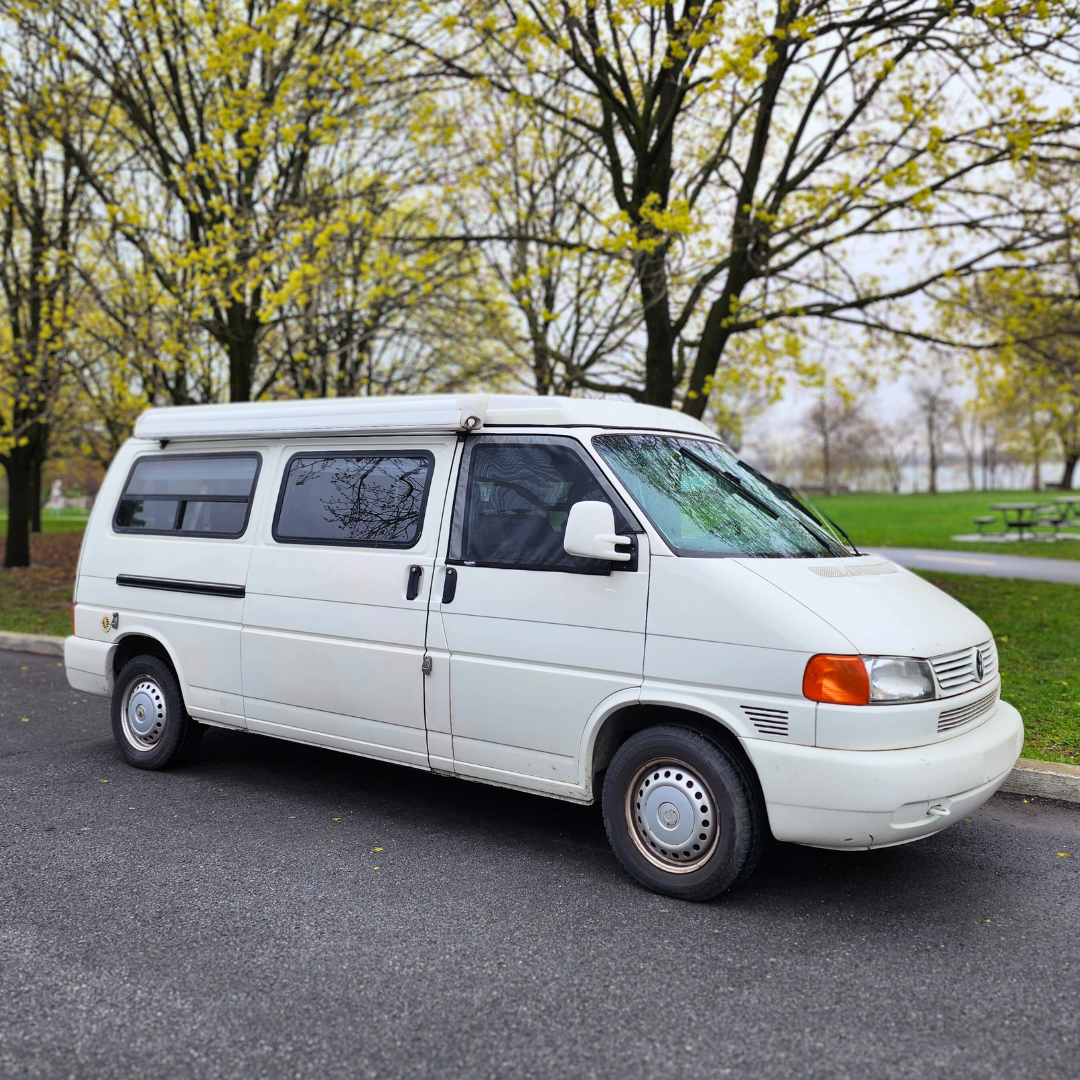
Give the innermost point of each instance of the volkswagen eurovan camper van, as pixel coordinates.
(582, 599)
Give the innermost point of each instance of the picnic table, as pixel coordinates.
(1020, 516)
(1071, 503)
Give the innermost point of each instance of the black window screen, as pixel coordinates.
(369, 499)
(517, 497)
(205, 495)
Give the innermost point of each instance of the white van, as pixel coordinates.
(576, 598)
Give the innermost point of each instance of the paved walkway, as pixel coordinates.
(1065, 571)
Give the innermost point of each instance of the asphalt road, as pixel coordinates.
(1063, 571)
(277, 911)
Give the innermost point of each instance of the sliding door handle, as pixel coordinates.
(449, 589)
(413, 589)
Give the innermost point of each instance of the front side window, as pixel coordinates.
(706, 503)
(202, 495)
(512, 507)
(369, 499)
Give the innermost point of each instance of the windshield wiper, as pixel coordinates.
(731, 480)
(789, 496)
(850, 542)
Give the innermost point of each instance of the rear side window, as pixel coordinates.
(200, 495)
(370, 499)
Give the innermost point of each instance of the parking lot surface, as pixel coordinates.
(274, 910)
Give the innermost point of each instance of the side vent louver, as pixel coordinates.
(768, 721)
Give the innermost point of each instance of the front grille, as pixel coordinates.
(957, 671)
(962, 714)
(768, 721)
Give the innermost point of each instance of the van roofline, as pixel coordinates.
(453, 413)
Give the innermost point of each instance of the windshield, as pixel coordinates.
(708, 504)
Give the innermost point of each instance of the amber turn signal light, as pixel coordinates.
(839, 680)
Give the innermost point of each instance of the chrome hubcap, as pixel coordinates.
(671, 815)
(143, 713)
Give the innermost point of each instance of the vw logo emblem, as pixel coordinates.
(978, 665)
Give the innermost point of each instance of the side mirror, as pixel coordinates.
(590, 533)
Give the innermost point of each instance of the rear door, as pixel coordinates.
(337, 595)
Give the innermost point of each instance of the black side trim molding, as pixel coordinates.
(204, 588)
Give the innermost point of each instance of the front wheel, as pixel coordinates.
(683, 815)
(149, 721)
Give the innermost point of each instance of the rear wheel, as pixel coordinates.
(683, 815)
(149, 721)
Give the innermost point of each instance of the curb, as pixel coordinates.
(1042, 779)
(44, 644)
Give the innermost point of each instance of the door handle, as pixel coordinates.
(449, 589)
(412, 591)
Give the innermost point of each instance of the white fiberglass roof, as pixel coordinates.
(438, 412)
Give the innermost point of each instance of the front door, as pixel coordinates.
(337, 597)
(537, 639)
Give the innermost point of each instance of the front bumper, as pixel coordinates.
(858, 799)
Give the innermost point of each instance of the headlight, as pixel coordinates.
(860, 680)
(899, 678)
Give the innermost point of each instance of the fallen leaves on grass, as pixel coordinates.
(37, 599)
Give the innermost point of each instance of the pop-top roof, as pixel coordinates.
(441, 412)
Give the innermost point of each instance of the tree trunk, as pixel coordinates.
(932, 442)
(241, 361)
(542, 370)
(35, 493)
(241, 340)
(660, 339)
(826, 462)
(18, 465)
(1071, 458)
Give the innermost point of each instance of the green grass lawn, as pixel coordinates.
(54, 521)
(1036, 625)
(881, 520)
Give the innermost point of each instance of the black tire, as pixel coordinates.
(157, 730)
(655, 789)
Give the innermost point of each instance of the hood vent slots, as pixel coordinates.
(859, 569)
(768, 721)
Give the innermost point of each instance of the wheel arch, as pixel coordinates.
(629, 717)
(140, 644)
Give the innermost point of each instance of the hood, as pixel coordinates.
(882, 609)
